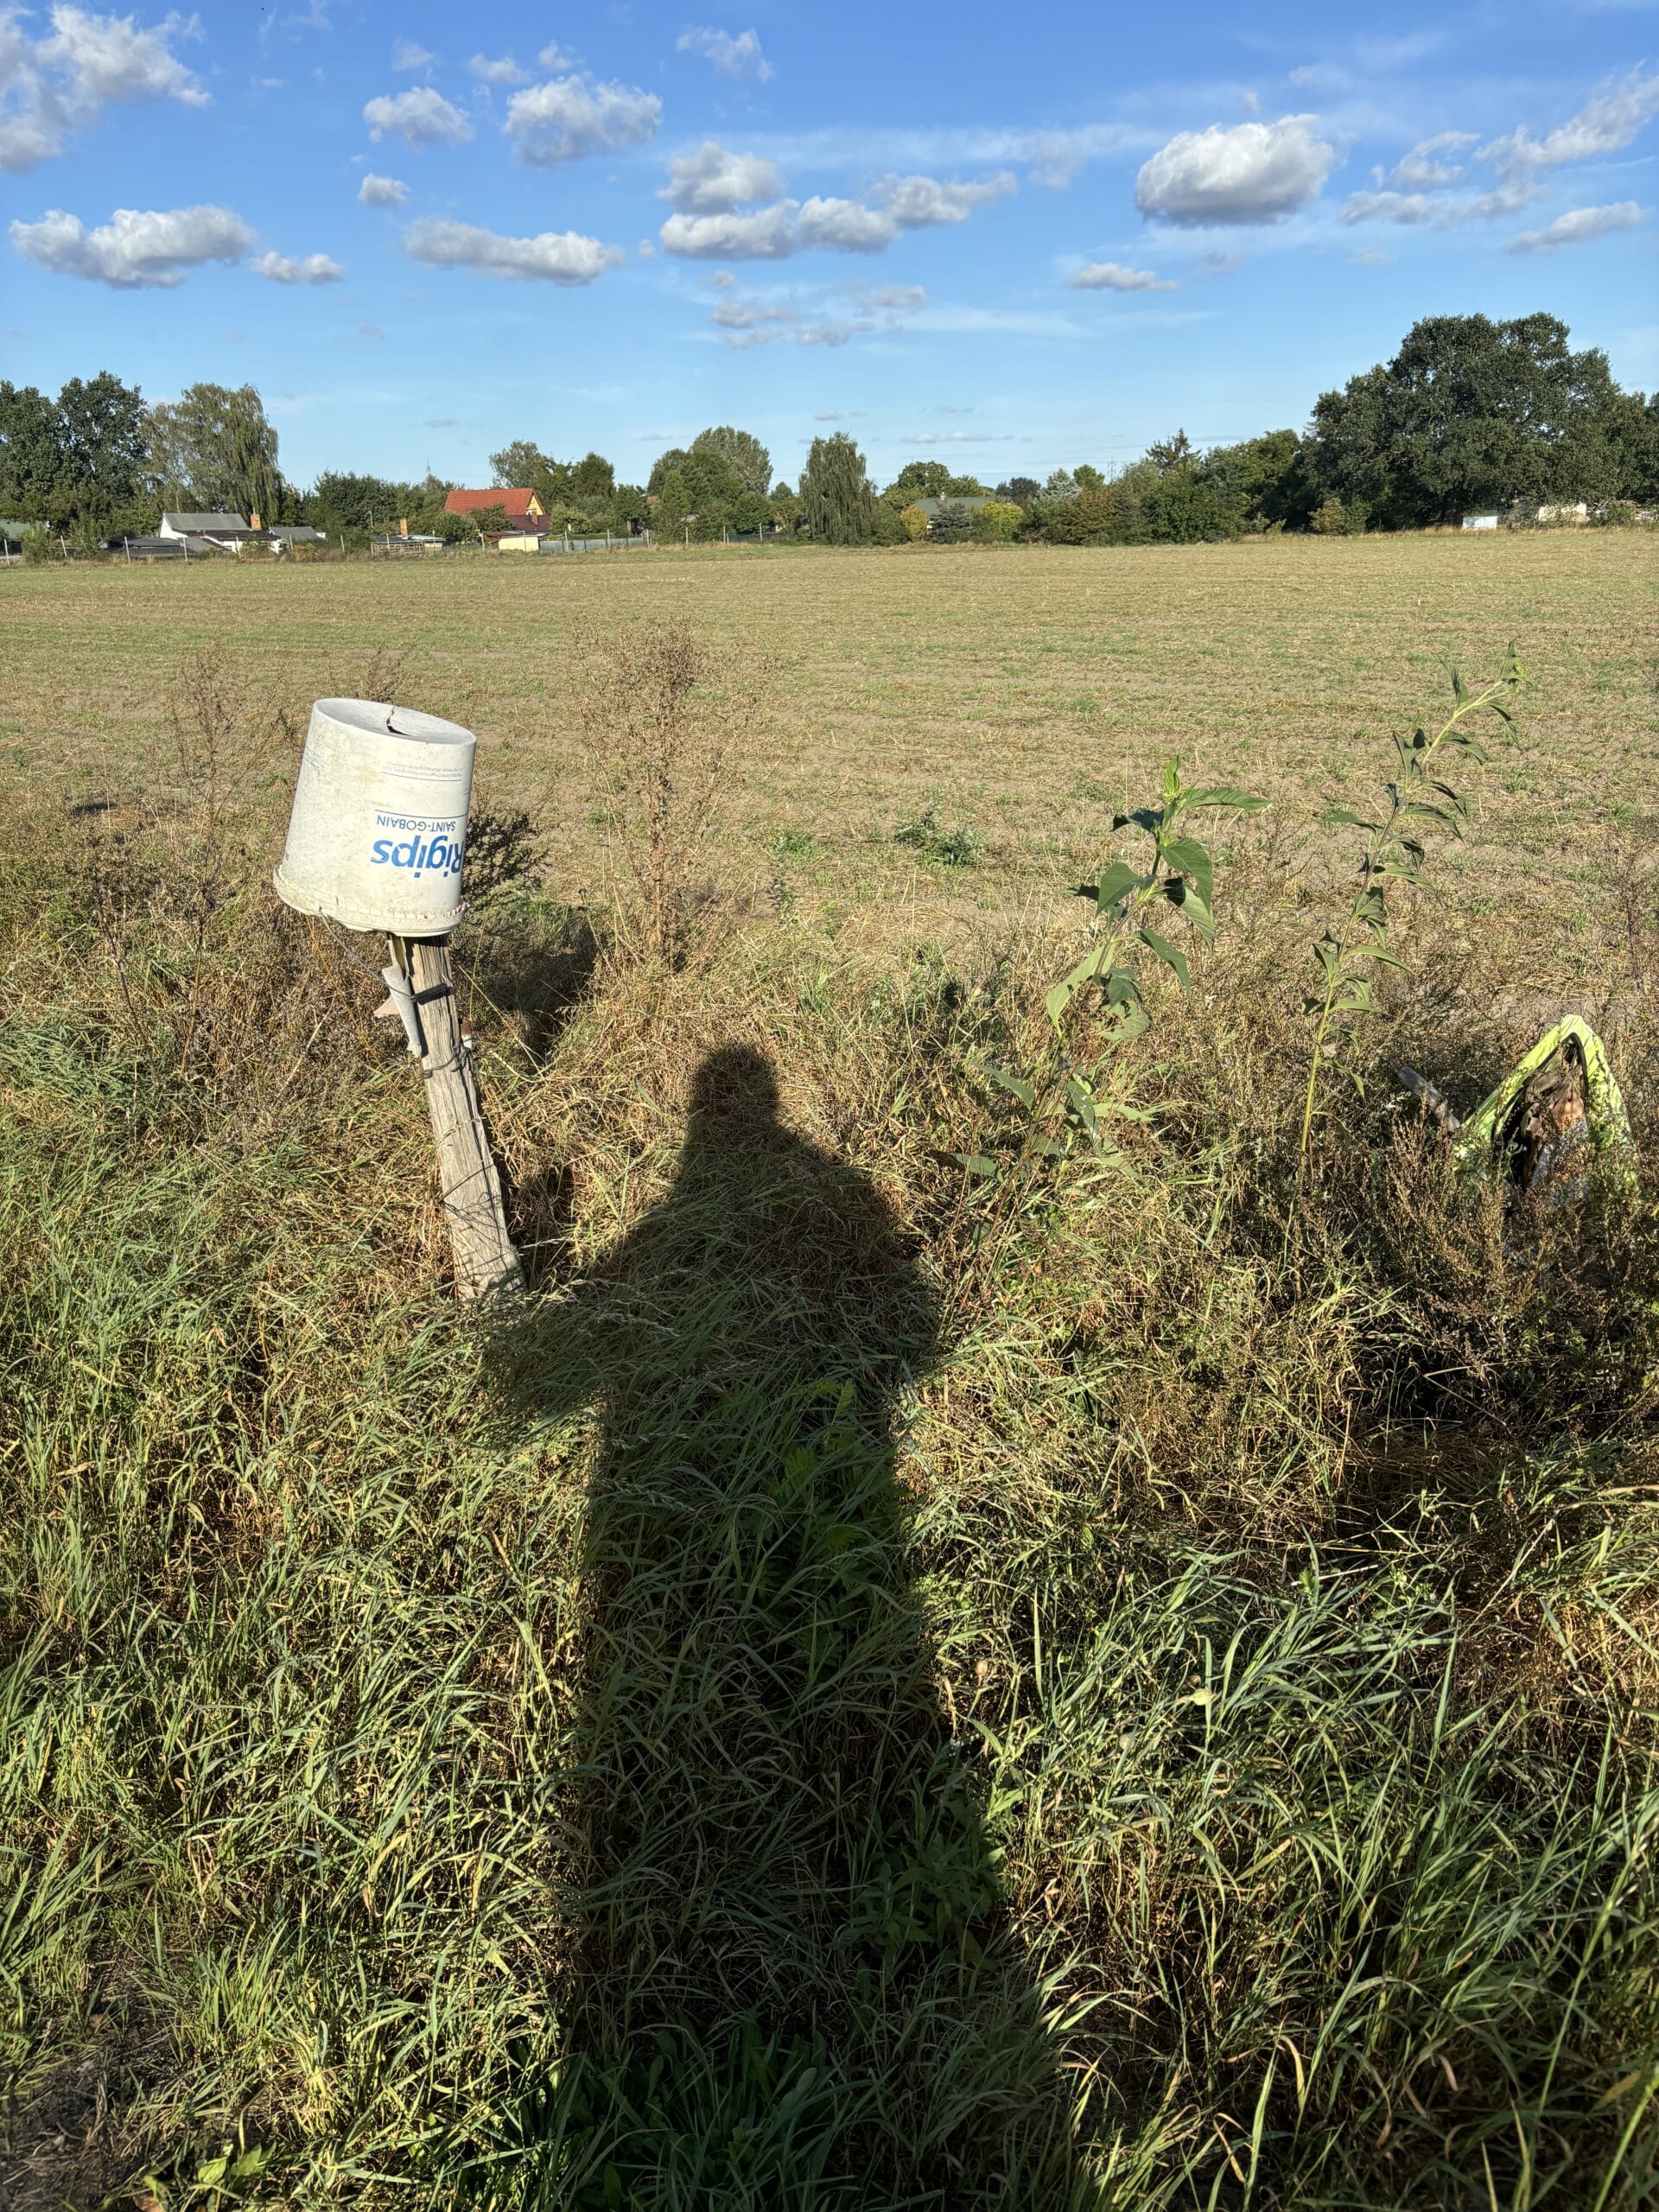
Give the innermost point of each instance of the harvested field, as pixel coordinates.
(1022, 690)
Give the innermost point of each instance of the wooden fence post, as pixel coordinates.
(487, 1264)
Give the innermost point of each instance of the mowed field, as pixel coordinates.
(1022, 692)
(928, 1664)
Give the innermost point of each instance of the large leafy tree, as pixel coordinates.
(1469, 413)
(521, 462)
(918, 479)
(214, 448)
(343, 501)
(593, 481)
(836, 503)
(1633, 431)
(714, 485)
(101, 430)
(524, 465)
(1259, 481)
(742, 451)
(675, 457)
(33, 487)
(77, 461)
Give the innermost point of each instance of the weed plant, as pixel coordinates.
(787, 1720)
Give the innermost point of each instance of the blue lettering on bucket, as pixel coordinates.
(437, 855)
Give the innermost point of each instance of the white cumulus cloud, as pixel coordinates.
(570, 117)
(407, 56)
(735, 54)
(109, 58)
(845, 226)
(311, 269)
(503, 71)
(421, 116)
(52, 85)
(554, 257)
(1578, 226)
(1113, 277)
(712, 179)
(1604, 125)
(916, 202)
(708, 226)
(382, 191)
(137, 248)
(1247, 173)
(765, 234)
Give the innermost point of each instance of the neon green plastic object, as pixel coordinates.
(1484, 1143)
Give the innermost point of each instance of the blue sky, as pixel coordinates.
(1012, 238)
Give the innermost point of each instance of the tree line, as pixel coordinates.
(1469, 413)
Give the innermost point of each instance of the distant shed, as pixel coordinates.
(1486, 521)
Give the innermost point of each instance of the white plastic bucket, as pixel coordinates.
(380, 822)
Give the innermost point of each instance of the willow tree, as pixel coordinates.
(837, 504)
(214, 450)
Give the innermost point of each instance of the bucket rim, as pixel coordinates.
(384, 718)
(382, 920)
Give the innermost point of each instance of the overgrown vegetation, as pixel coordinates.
(823, 1707)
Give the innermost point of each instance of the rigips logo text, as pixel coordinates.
(431, 848)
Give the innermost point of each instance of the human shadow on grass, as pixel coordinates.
(793, 1981)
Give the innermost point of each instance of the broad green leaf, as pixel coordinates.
(1007, 1081)
(1081, 1099)
(1224, 795)
(1189, 857)
(1060, 996)
(976, 1163)
(1181, 894)
(1168, 953)
(1113, 883)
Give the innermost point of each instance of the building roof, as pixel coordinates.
(972, 500)
(195, 525)
(514, 503)
(295, 533)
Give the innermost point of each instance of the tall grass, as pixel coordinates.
(765, 1728)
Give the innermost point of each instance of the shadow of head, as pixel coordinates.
(734, 1091)
(766, 1261)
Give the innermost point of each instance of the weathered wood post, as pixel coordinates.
(375, 842)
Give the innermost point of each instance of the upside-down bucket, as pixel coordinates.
(379, 826)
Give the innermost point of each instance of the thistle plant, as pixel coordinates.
(1348, 956)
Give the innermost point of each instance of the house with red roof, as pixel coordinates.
(521, 506)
